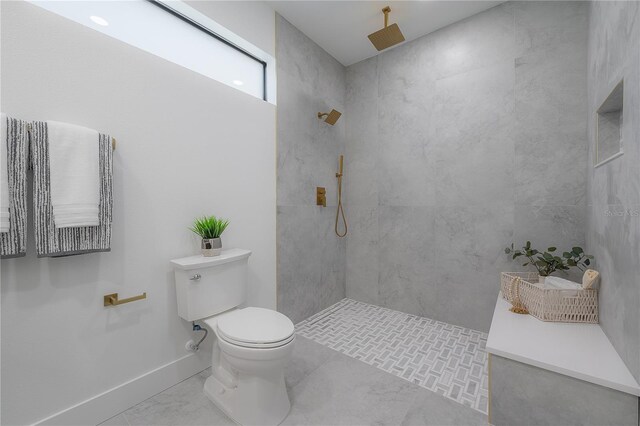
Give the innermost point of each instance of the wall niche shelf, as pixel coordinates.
(609, 126)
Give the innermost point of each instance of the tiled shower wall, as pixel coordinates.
(614, 188)
(311, 258)
(459, 143)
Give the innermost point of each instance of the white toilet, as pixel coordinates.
(252, 345)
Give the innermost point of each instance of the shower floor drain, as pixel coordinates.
(444, 358)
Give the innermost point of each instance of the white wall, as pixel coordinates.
(187, 145)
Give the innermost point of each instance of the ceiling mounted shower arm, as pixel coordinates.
(388, 36)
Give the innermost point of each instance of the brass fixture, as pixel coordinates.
(321, 196)
(112, 299)
(389, 36)
(517, 305)
(332, 117)
(340, 210)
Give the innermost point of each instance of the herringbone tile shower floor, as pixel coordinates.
(444, 358)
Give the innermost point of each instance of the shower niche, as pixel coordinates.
(609, 126)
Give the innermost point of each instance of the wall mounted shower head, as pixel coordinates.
(389, 36)
(332, 117)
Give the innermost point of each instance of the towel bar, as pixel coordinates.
(113, 140)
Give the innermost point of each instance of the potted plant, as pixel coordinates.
(547, 263)
(209, 229)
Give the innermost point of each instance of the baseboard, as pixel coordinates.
(103, 406)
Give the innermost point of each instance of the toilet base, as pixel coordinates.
(253, 401)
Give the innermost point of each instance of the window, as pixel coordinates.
(168, 30)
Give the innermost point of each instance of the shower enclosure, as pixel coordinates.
(443, 156)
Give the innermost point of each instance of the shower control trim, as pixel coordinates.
(321, 196)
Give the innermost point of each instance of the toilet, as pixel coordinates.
(251, 345)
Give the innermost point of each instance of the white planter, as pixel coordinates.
(211, 247)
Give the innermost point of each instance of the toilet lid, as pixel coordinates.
(255, 326)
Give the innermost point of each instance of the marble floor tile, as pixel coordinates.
(307, 357)
(443, 358)
(182, 404)
(345, 391)
(430, 410)
(326, 387)
(119, 420)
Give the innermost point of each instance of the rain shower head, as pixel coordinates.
(332, 117)
(389, 36)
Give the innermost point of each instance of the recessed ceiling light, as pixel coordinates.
(99, 20)
(238, 82)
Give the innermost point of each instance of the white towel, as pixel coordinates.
(562, 284)
(75, 174)
(4, 177)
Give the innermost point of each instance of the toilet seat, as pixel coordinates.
(257, 328)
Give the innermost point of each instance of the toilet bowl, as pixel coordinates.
(251, 346)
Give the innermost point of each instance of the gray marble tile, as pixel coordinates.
(405, 106)
(311, 261)
(614, 238)
(331, 262)
(118, 420)
(553, 180)
(546, 226)
(406, 252)
(311, 270)
(298, 267)
(433, 410)
(550, 158)
(613, 36)
(470, 244)
(474, 143)
(362, 104)
(614, 188)
(361, 151)
(344, 391)
(521, 393)
(476, 42)
(182, 404)
(360, 181)
(307, 152)
(309, 81)
(362, 254)
(307, 357)
(618, 182)
(541, 25)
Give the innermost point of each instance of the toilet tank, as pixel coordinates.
(207, 286)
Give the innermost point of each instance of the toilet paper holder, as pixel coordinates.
(112, 299)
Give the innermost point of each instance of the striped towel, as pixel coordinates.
(50, 240)
(13, 243)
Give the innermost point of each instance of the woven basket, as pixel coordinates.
(548, 304)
